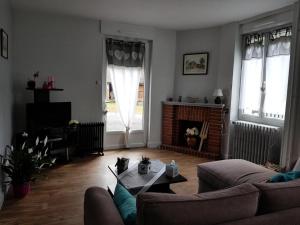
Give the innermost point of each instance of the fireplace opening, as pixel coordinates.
(178, 117)
(189, 138)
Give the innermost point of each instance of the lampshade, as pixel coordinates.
(218, 93)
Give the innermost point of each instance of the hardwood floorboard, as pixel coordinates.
(57, 197)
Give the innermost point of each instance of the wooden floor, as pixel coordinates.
(57, 198)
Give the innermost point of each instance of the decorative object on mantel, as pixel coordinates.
(45, 85)
(191, 136)
(4, 44)
(192, 99)
(144, 165)
(205, 100)
(218, 93)
(170, 99)
(32, 83)
(195, 63)
(172, 169)
(180, 98)
(50, 82)
(203, 134)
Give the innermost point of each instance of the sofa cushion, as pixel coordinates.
(285, 217)
(201, 209)
(99, 208)
(231, 172)
(278, 196)
(126, 204)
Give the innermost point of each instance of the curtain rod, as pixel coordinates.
(125, 38)
(266, 30)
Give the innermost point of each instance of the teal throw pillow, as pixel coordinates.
(126, 204)
(283, 177)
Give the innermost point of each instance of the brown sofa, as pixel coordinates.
(244, 204)
(222, 174)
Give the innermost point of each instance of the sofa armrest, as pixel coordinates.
(99, 208)
(231, 172)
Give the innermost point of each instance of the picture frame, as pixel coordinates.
(195, 63)
(4, 44)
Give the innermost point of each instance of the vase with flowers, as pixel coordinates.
(191, 136)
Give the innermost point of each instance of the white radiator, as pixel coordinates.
(252, 141)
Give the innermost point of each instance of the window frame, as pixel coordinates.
(261, 118)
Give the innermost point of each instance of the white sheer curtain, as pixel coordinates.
(251, 79)
(125, 82)
(277, 74)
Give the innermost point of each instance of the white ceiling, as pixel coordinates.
(171, 14)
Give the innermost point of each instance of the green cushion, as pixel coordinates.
(283, 177)
(126, 204)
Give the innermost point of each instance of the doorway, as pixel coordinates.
(115, 130)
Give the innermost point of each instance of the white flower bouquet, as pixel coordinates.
(192, 132)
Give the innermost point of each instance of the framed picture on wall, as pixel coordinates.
(4, 44)
(195, 63)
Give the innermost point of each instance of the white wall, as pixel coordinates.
(162, 80)
(227, 46)
(5, 85)
(229, 77)
(193, 41)
(68, 48)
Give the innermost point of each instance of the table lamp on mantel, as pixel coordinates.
(218, 93)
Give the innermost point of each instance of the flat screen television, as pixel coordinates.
(47, 115)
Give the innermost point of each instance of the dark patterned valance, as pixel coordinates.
(125, 53)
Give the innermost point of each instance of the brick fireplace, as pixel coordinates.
(177, 116)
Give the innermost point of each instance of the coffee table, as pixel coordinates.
(155, 181)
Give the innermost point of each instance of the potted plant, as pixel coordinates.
(191, 135)
(144, 165)
(25, 161)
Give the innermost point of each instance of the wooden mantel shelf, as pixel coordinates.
(206, 105)
(44, 89)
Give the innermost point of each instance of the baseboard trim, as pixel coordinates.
(111, 147)
(137, 145)
(133, 145)
(153, 144)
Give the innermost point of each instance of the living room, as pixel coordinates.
(68, 43)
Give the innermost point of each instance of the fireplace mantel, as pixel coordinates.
(176, 112)
(205, 105)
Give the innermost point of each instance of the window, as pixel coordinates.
(264, 78)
